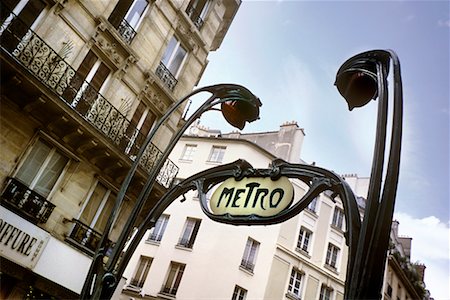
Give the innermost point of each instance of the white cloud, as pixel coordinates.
(444, 23)
(430, 246)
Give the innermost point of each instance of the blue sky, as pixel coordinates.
(288, 52)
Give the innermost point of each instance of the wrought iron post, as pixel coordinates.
(360, 79)
(238, 105)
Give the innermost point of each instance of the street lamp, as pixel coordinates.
(238, 106)
(360, 79)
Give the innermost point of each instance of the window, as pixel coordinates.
(127, 16)
(250, 252)
(142, 270)
(97, 207)
(338, 218)
(173, 278)
(141, 123)
(217, 153)
(27, 11)
(325, 293)
(389, 290)
(197, 10)
(332, 256)
(294, 288)
(312, 206)
(174, 56)
(239, 293)
(189, 233)
(188, 152)
(84, 87)
(303, 239)
(157, 232)
(42, 168)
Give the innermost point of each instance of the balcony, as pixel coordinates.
(166, 76)
(194, 15)
(25, 202)
(186, 243)
(247, 265)
(168, 290)
(24, 47)
(126, 31)
(84, 237)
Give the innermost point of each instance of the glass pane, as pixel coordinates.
(51, 173)
(33, 162)
(104, 215)
(170, 48)
(175, 64)
(136, 11)
(93, 203)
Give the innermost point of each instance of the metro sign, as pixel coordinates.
(260, 196)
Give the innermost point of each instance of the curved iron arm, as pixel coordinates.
(220, 93)
(318, 179)
(366, 277)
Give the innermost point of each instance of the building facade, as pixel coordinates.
(188, 256)
(82, 84)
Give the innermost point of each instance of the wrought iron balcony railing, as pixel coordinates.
(41, 61)
(195, 16)
(247, 265)
(155, 237)
(166, 76)
(85, 237)
(187, 243)
(168, 290)
(126, 31)
(18, 197)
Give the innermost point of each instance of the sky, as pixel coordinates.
(288, 52)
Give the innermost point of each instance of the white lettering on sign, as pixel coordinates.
(20, 241)
(261, 196)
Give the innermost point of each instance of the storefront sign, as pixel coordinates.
(260, 196)
(20, 240)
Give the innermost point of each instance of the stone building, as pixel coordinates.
(188, 256)
(82, 84)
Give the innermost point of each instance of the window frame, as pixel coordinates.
(248, 261)
(175, 279)
(188, 152)
(146, 263)
(43, 166)
(189, 233)
(326, 293)
(306, 236)
(157, 232)
(332, 256)
(141, 17)
(218, 158)
(295, 277)
(168, 58)
(338, 219)
(239, 293)
(99, 212)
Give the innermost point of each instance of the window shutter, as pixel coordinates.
(119, 12)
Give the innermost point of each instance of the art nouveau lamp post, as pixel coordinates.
(237, 104)
(359, 80)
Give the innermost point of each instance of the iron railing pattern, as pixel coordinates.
(126, 31)
(187, 243)
(85, 236)
(169, 290)
(155, 237)
(19, 198)
(45, 64)
(247, 265)
(166, 76)
(195, 16)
